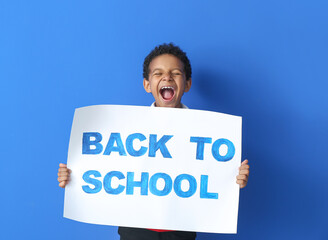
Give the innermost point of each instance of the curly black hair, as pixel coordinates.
(167, 49)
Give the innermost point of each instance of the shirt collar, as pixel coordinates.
(182, 105)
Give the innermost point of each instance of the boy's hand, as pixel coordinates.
(242, 178)
(63, 175)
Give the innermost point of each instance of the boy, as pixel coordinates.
(167, 76)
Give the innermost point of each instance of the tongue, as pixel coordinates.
(167, 94)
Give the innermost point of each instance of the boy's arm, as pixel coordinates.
(242, 178)
(63, 175)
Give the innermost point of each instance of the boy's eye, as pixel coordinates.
(176, 73)
(157, 74)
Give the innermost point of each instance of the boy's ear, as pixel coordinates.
(188, 85)
(146, 85)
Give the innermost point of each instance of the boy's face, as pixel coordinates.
(167, 81)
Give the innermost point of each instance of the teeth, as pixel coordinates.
(167, 88)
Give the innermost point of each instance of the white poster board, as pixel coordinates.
(157, 168)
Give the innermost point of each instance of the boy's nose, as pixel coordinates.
(167, 76)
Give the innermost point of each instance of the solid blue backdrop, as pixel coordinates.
(263, 60)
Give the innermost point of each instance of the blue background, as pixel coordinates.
(263, 60)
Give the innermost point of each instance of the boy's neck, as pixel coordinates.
(181, 105)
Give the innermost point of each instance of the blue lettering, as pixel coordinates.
(154, 145)
(86, 143)
(153, 184)
(108, 180)
(200, 145)
(216, 153)
(115, 137)
(192, 185)
(146, 183)
(129, 145)
(143, 184)
(97, 184)
(203, 188)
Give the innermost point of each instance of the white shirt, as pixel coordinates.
(182, 105)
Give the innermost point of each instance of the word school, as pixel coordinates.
(146, 183)
(91, 144)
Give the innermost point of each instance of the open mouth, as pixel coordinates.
(167, 93)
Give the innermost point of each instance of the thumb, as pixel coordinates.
(244, 162)
(62, 165)
(62, 184)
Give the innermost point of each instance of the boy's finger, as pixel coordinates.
(243, 167)
(62, 165)
(62, 184)
(244, 162)
(242, 177)
(61, 170)
(244, 172)
(63, 178)
(60, 174)
(241, 183)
